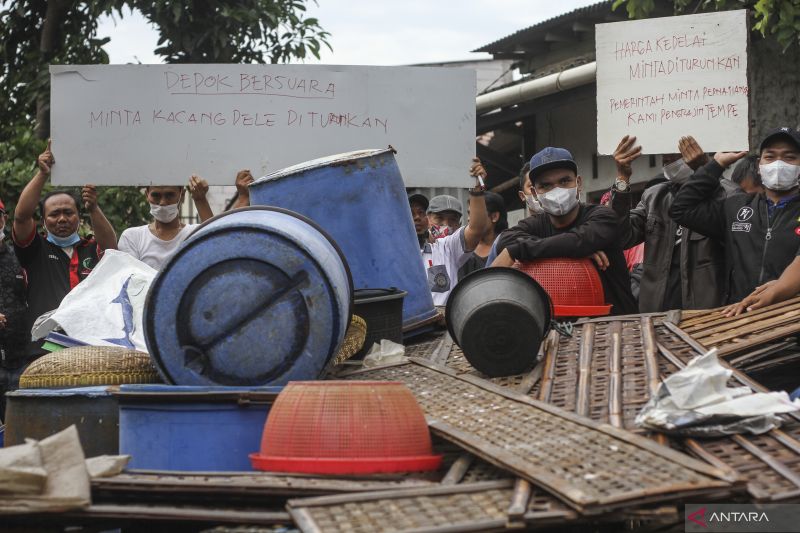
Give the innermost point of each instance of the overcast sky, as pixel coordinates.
(379, 32)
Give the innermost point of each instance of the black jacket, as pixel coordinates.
(595, 229)
(702, 260)
(14, 336)
(742, 222)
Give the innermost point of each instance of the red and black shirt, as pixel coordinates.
(51, 272)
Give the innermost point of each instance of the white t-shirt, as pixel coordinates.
(146, 247)
(442, 259)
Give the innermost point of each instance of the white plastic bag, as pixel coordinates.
(385, 353)
(697, 401)
(106, 308)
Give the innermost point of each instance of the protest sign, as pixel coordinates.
(158, 124)
(663, 78)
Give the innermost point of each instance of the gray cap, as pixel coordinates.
(445, 202)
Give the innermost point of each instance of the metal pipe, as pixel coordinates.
(530, 90)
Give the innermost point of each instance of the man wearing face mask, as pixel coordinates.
(761, 231)
(568, 228)
(452, 245)
(418, 204)
(681, 269)
(156, 242)
(60, 259)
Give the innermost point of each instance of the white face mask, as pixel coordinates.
(164, 213)
(678, 171)
(559, 201)
(534, 207)
(779, 175)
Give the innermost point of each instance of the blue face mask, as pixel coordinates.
(64, 242)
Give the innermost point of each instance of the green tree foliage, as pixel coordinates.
(37, 33)
(774, 18)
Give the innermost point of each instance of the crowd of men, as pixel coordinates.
(42, 264)
(695, 239)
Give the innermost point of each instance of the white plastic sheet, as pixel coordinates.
(697, 401)
(385, 353)
(106, 308)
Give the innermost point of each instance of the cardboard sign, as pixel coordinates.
(159, 124)
(664, 78)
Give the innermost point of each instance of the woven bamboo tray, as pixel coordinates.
(738, 335)
(769, 464)
(593, 468)
(471, 507)
(85, 366)
(131, 485)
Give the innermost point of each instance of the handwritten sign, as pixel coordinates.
(664, 78)
(158, 124)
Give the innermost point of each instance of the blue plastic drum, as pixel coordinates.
(360, 200)
(256, 296)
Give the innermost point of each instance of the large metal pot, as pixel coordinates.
(499, 317)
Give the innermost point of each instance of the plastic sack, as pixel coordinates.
(385, 353)
(106, 308)
(697, 401)
(60, 458)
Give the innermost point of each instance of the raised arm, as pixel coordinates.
(696, 205)
(198, 188)
(243, 180)
(632, 221)
(24, 224)
(479, 222)
(104, 233)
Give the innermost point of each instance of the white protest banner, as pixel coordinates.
(158, 124)
(663, 78)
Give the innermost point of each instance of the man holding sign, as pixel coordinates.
(59, 259)
(681, 269)
(761, 231)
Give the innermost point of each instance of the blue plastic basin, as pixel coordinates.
(192, 428)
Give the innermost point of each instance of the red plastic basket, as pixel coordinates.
(345, 427)
(574, 286)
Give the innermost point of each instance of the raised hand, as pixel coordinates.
(45, 161)
(692, 154)
(626, 153)
(89, 196)
(243, 180)
(198, 187)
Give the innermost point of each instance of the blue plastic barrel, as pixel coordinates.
(359, 198)
(256, 296)
(194, 429)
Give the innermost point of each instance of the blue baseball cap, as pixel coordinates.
(551, 158)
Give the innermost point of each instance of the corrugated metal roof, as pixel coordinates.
(507, 44)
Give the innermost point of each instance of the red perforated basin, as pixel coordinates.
(574, 285)
(345, 427)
